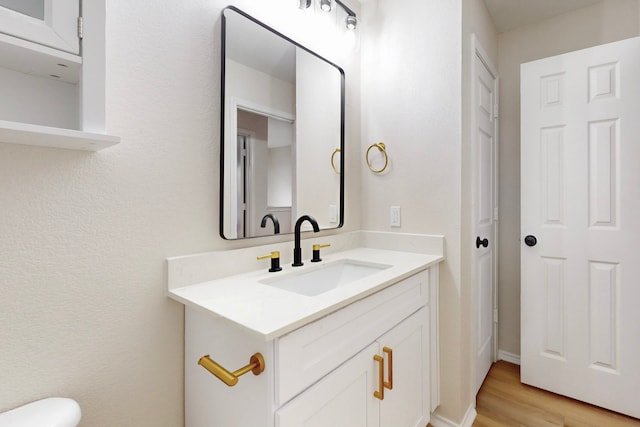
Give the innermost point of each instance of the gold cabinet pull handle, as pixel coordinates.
(256, 365)
(379, 394)
(389, 352)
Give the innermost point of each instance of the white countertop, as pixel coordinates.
(269, 312)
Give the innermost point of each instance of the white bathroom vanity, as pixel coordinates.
(361, 353)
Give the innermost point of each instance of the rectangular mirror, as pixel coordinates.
(282, 135)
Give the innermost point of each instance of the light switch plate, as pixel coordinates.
(333, 213)
(394, 216)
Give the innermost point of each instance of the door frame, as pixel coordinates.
(477, 51)
(229, 200)
(248, 181)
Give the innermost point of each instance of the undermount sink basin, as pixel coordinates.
(325, 277)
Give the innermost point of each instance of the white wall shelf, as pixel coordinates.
(46, 136)
(32, 58)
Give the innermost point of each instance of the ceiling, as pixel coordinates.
(510, 14)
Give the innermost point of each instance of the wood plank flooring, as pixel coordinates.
(504, 402)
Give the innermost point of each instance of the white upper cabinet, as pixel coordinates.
(52, 74)
(52, 23)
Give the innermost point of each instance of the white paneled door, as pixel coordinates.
(484, 208)
(580, 167)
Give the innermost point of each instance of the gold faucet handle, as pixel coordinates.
(316, 252)
(272, 255)
(275, 261)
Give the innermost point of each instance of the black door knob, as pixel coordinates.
(481, 242)
(530, 240)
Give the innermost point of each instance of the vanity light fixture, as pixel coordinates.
(325, 5)
(352, 22)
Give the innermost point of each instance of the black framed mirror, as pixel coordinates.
(282, 132)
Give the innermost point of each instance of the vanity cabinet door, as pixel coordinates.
(407, 403)
(343, 398)
(313, 351)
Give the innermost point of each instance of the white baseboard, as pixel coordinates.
(467, 421)
(509, 357)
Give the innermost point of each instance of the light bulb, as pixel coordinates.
(352, 22)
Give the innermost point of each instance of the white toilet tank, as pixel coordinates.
(50, 412)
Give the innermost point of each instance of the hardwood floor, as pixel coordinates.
(504, 402)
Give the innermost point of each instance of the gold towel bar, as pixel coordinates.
(256, 365)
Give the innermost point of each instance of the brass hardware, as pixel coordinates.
(379, 394)
(275, 261)
(316, 252)
(383, 149)
(256, 365)
(274, 254)
(333, 165)
(389, 352)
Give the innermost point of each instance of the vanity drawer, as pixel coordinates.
(307, 354)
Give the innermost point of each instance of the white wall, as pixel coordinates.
(279, 177)
(256, 87)
(280, 163)
(603, 22)
(317, 136)
(84, 236)
(411, 101)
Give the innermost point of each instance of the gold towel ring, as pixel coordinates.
(333, 165)
(380, 146)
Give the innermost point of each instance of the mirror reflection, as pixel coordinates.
(282, 121)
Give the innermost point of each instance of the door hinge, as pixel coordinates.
(80, 28)
(496, 111)
(495, 315)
